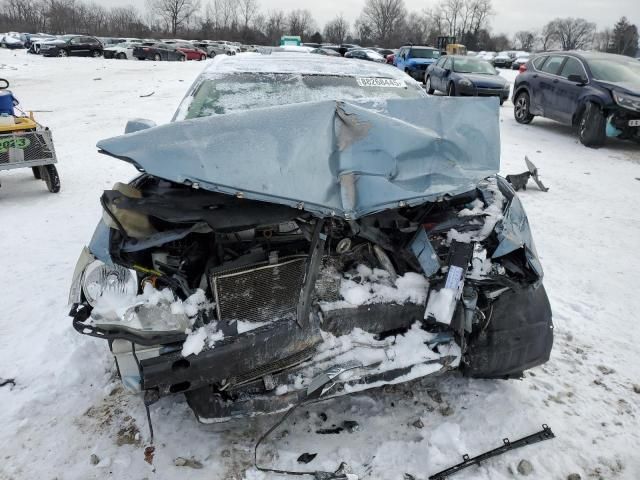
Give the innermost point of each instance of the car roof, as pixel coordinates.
(301, 63)
(591, 55)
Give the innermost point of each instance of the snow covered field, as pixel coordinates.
(66, 403)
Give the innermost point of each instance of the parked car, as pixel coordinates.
(466, 76)
(250, 277)
(121, 51)
(414, 60)
(191, 51)
(599, 93)
(365, 54)
(503, 60)
(211, 49)
(158, 52)
(228, 47)
(383, 51)
(72, 46)
(35, 41)
(520, 60)
(326, 51)
(391, 58)
(11, 41)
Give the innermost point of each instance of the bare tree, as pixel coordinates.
(275, 26)
(247, 10)
(174, 13)
(571, 33)
(525, 40)
(383, 17)
(337, 30)
(300, 22)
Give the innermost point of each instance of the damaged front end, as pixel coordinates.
(249, 297)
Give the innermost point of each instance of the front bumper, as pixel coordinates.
(49, 52)
(417, 72)
(474, 91)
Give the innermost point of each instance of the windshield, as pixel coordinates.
(424, 53)
(246, 91)
(473, 65)
(618, 70)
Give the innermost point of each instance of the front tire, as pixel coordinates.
(451, 90)
(428, 87)
(121, 56)
(63, 53)
(591, 127)
(203, 58)
(36, 173)
(157, 57)
(96, 53)
(521, 111)
(183, 58)
(51, 178)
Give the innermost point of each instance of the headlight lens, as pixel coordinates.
(466, 82)
(627, 101)
(100, 278)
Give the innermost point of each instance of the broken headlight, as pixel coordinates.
(100, 278)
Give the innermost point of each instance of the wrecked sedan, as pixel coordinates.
(306, 227)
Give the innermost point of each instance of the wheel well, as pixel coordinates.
(582, 106)
(520, 90)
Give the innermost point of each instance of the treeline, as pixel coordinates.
(385, 23)
(381, 22)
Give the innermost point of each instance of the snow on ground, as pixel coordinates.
(67, 404)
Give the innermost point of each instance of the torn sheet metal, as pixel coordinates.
(328, 158)
(424, 252)
(514, 232)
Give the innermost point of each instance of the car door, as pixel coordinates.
(548, 85)
(436, 73)
(75, 46)
(569, 92)
(443, 78)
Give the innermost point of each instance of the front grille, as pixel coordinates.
(21, 147)
(259, 292)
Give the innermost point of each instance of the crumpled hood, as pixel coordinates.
(328, 158)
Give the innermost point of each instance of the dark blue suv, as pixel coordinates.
(597, 92)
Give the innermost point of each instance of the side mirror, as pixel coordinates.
(447, 71)
(137, 124)
(575, 78)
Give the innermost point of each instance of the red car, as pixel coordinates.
(390, 58)
(191, 51)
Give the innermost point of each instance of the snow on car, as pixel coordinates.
(65, 415)
(121, 51)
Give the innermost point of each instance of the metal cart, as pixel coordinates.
(24, 143)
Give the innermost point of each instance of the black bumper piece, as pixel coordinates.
(519, 336)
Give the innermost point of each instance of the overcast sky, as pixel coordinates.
(509, 17)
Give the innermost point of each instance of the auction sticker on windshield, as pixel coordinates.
(380, 82)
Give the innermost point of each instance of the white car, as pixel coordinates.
(10, 41)
(121, 51)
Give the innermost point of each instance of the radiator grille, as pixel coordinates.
(260, 292)
(23, 147)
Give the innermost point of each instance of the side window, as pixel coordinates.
(538, 62)
(447, 64)
(75, 41)
(573, 67)
(552, 65)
